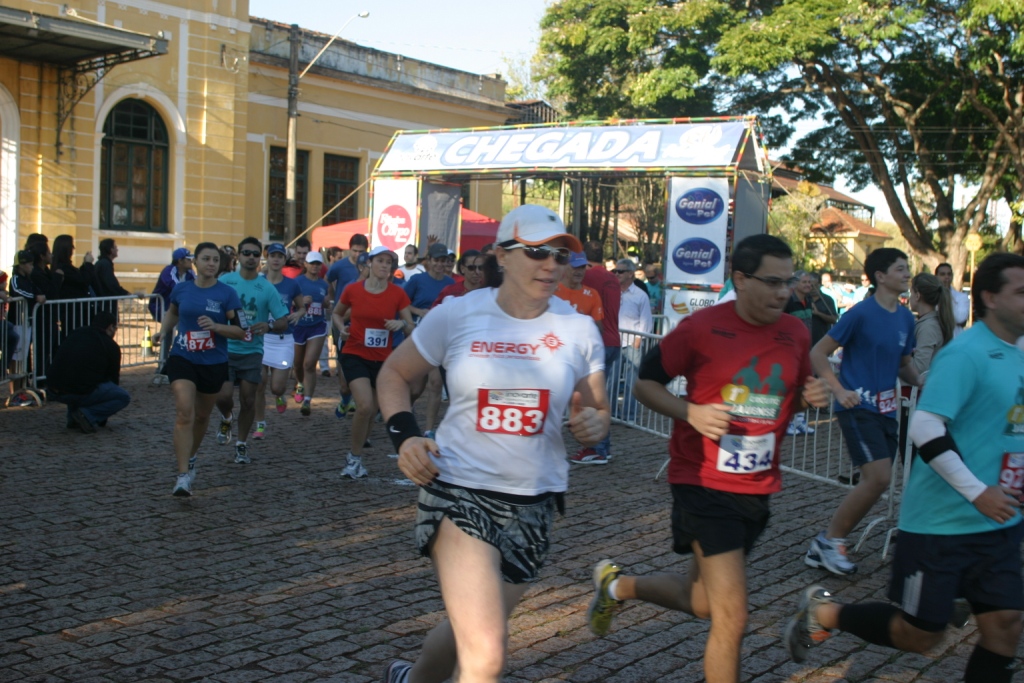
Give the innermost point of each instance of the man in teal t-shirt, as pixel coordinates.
(960, 522)
(260, 302)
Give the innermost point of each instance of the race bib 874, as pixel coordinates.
(519, 412)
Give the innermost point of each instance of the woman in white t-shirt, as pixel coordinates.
(518, 360)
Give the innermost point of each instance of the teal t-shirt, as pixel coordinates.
(976, 382)
(260, 301)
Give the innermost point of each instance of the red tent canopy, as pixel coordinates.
(477, 230)
(339, 234)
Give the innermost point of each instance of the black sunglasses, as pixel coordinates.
(619, 271)
(249, 252)
(541, 253)
(473, 268)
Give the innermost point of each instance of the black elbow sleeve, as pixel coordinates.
(651, 368)
(937, 447)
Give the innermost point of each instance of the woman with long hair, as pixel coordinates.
(933, 304)
(76, 284)
(206, 313)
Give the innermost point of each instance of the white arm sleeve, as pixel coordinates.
(926, 427)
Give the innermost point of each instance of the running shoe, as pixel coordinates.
(588, 456)
(183, 486)
(397, 672)
(340, 410)
(793, 429)
(354, 467)
(192, 470)
(800, 420)
(260, 432)
(306, 408)
(299, 393)
(351, 407)
(242, 454)
(281, 404)
(603, 606)
(829, 554)
(803, 629)
(224, 433)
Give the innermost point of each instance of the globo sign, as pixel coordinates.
(696, 256)
(700, 206)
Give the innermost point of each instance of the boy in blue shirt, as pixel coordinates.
(877, 336)
(960, 523)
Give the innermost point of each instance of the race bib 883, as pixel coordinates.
(520, 412)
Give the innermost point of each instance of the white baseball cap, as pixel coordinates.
(533, 225)
(382, 250)
(314, 257)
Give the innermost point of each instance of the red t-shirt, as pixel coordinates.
(607, 287)
(760, 371)
(457, 289)
(368, 338)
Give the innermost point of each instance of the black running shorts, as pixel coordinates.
(208, 378)
(354, 367)
(719, 521)
(930, 571)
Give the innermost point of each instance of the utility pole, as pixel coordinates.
(293, 116)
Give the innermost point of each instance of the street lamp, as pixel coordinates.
(293, 114)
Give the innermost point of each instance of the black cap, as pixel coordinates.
(26, 256)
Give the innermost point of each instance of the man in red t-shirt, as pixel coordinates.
(747, 369)
(598, 279)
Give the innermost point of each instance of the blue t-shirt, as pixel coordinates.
(874, 342)
(260, 302)
(288, 289)
(976, 382)
(341, 274)
(193, 343)
(423, 289)
(316, 312)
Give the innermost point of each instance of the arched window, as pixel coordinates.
(133, 169)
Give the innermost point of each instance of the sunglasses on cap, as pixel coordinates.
(541, 253)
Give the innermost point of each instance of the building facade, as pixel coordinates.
(184, 141)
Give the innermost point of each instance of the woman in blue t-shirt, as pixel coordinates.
(206, 313)
(310, 330)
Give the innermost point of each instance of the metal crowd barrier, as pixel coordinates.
(15, 339)
(817, 454)
(54, 320)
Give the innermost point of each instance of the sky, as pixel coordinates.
(471, 35)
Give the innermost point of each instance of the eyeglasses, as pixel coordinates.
(473, 268)
(774, 282)
(542, 252)
(249, 252)
(620, 272)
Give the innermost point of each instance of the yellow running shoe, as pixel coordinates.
(603, 606)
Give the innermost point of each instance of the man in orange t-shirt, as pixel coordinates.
(583, 299)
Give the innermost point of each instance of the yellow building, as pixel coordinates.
(163, 123)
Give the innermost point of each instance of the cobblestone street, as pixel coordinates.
(282, 571)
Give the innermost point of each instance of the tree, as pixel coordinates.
(906, 92)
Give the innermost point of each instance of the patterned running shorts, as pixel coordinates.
(519, 532)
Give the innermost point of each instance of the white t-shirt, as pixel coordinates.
(409, 271)
(509, 386)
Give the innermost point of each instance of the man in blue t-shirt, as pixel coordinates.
(260, 302)
(423, 288)
(960, 523)
(877, 336)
